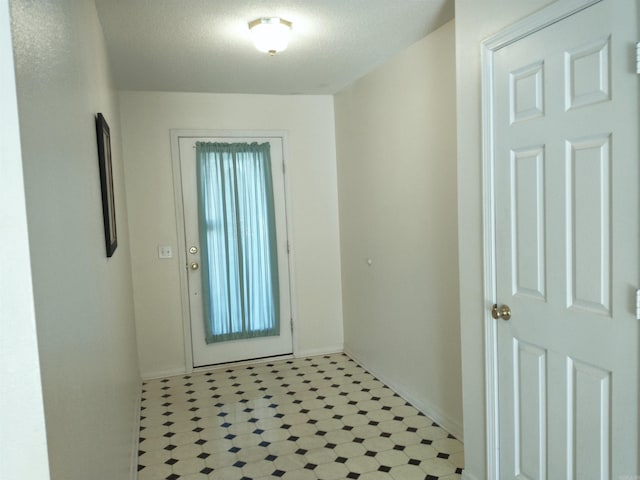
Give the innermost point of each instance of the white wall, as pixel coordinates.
(396, 147)
(23, 440)
(475, 21)
(83, 301)
(147, 118)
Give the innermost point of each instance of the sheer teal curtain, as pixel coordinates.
(240, 291)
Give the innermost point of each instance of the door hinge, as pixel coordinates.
(288, 248)
(291, 326)
(638, 304)
(283, 168)
(638, 58)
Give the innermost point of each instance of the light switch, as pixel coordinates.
(165, 251)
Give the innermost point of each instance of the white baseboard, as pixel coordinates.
(256, 361)
(163, 373)
(297, 354)
(446, 422)
(312, 352)
(467, 476)
(135, 433)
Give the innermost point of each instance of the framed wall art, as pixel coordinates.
(106, 181)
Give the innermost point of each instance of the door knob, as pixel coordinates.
(194, 266)
(503, 312)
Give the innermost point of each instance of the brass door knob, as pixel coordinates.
(503, 312)
(194, 266)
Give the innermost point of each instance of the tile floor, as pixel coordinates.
(317, 418)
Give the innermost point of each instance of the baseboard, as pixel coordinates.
(467, 476)
(163, 373)
(135, 434)
(300, 353)
(312, 352)
(446, 422)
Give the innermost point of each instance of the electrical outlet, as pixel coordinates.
(165, 251)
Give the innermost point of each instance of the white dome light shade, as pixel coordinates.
(270, 35)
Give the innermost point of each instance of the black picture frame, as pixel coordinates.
(106, 182)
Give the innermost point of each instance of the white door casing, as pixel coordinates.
(560, 113)
(197, 352)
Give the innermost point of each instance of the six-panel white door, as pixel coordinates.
(566, 132)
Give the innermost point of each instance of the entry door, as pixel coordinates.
(566, 211)
(244, 349)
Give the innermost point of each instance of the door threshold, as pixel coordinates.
(240, 363)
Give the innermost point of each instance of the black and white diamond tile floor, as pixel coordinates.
(316, 418)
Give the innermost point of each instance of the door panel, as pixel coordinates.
(588, 426)
(528, 222)
(588, 216)
(565, 103)
(235, 350)
(530, 409)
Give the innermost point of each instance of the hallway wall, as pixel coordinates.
(147, 118)
(23, 438)
(395, 132)
(83, 300)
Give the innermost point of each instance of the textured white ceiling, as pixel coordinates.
(205, 45)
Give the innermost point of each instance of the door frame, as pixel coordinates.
(554, 13)
(176, 134)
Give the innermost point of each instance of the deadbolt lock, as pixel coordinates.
(193, 250)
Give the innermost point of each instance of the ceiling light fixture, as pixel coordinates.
(270, 35)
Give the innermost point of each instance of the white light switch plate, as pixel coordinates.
(165, 251)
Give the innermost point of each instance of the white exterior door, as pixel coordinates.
(565, 123)
(235, 350)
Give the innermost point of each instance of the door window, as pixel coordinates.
(240, 291)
